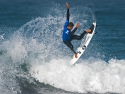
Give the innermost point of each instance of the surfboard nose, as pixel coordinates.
(94, 23)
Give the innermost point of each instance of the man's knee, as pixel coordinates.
(71, 47)
(68, 44)
(79, 37)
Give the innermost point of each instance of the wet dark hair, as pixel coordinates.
(70, 24)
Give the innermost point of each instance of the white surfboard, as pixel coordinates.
(86, 40)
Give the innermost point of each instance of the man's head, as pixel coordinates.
(70, 25)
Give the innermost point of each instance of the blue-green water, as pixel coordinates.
(34, 60)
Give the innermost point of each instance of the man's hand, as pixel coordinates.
(77, 25)
(67, 5)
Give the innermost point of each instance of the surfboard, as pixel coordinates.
(85, 41)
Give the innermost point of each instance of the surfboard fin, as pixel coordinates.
(95, 32)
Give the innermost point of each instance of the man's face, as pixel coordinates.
(70, 27)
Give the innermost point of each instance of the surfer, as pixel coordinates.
(68, 35)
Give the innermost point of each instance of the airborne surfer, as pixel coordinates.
(68, 35)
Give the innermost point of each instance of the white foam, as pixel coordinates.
(97, 76)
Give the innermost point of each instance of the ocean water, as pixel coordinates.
(34, 60)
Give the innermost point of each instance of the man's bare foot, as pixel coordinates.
(88, 31)
(76, 56)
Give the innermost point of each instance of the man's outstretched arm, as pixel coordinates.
(67, 15)
(67, 6)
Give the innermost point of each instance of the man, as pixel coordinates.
(68, 35)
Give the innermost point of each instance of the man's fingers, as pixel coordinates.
(77, 25)
(67, 5)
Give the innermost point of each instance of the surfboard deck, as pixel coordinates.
(85, 41)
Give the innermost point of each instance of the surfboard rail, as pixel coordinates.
(85, 41)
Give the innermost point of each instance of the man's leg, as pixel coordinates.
(68, 43)
(78, 37)
(82, 35)
(90, 29)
